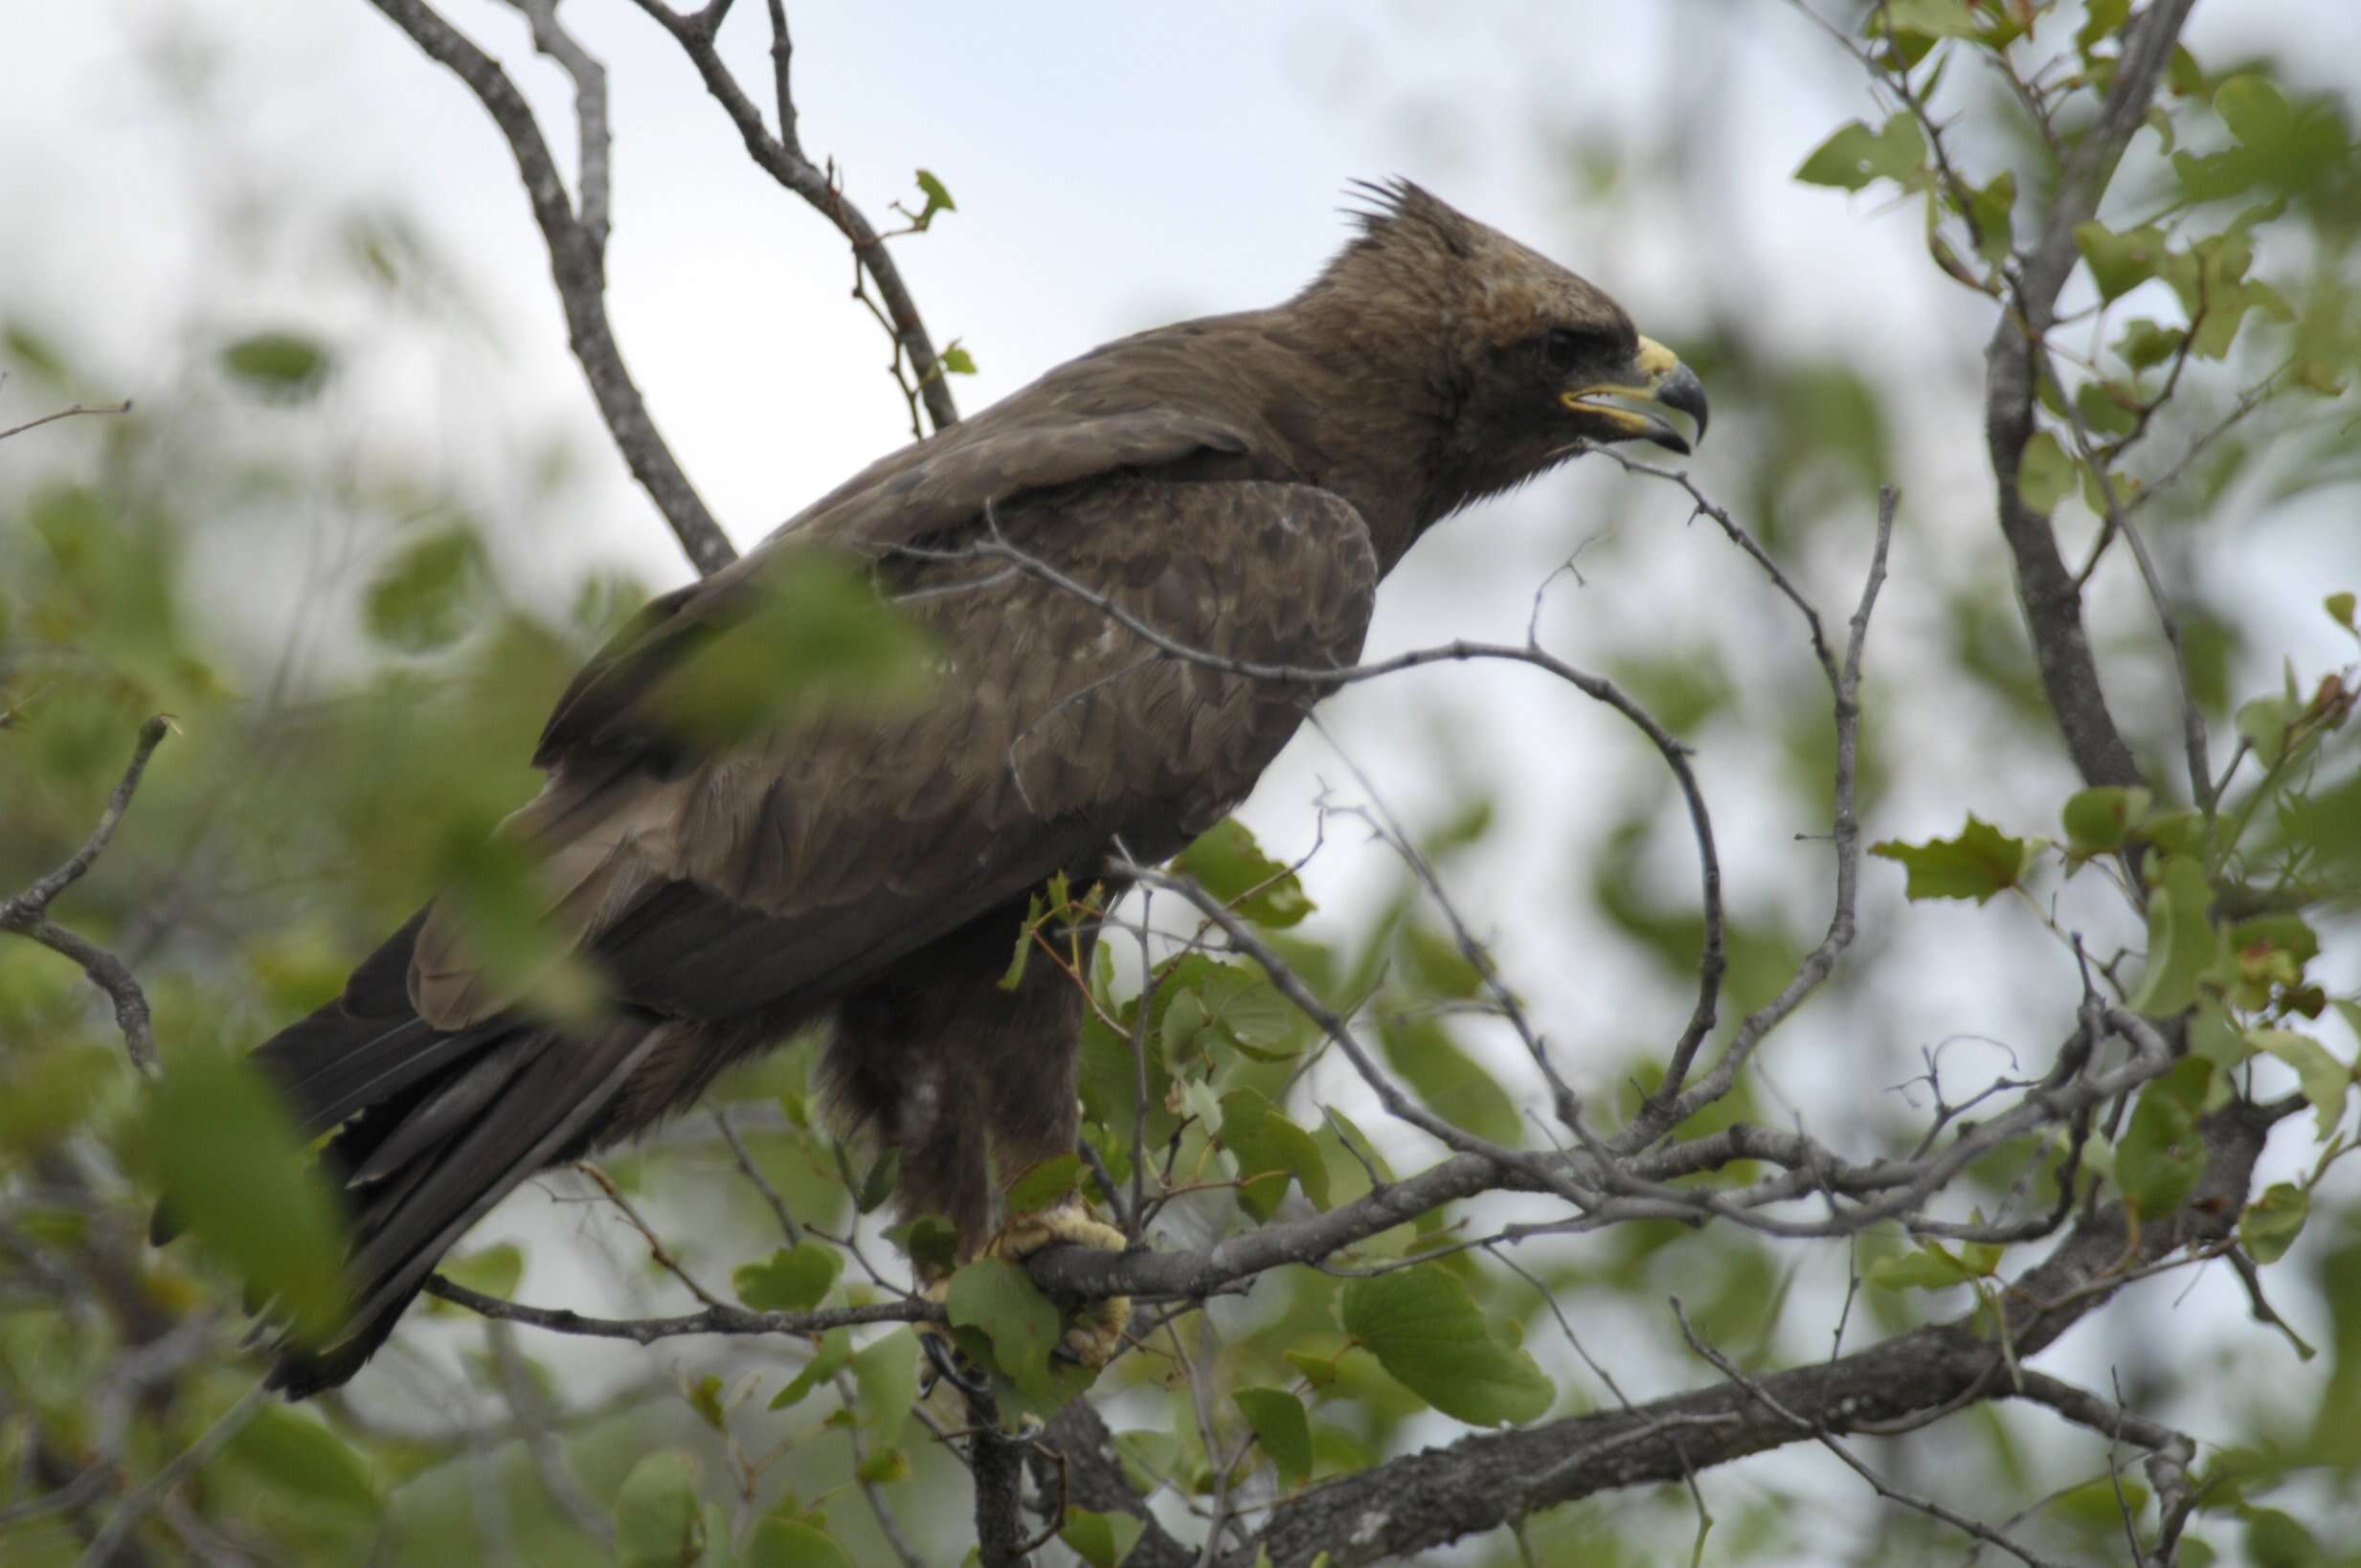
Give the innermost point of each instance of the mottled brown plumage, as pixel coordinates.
(1239, 483)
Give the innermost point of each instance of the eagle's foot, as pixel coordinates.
(1096, 1332)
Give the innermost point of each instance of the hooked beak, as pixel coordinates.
(1656, 378)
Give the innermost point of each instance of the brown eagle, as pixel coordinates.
(1239, 484)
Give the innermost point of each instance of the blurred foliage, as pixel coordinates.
(335, 766)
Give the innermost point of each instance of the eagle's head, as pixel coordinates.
(1517, 362)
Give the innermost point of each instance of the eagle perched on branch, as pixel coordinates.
(1239, 484)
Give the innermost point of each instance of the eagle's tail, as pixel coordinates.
(436, 1127)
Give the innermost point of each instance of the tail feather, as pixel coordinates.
(436, 1128)
(408, 1219)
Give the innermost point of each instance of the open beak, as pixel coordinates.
(1657, 379)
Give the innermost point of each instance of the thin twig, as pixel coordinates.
(782, 158)
(715, 1319)
(123, 407)
(28, 913)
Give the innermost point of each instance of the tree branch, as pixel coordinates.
(123, 407)
(782, 158)
(2052, 600)
(1426, 1499)
(28, 913)
(577, 247)
(716, 1319)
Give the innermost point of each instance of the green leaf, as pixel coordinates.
(1245, 1008)
(878, 1182)
(659, 1516)
(1427, 1333)
(2099, 820)
(1103, 1540)
(794, 1279)
(2256, 111)
(1437, 964)
(1856, 155)
(886, 1376)
(1994, 211)
(2181, 942)
(1981, 862)
(2120, 263)
(45, 1096)
(2271, 1223)
(495, 1271)
(235, 1176)
(2103, 20)
(998, 1297)
(705, 1398)
(1319, 1371)
(302, 1458)
(2322, 1077)
(1044, 1184)
(34, 352)
(425, 597)
(1269, 1149)
(791, 1543)
(491, 886)
(1283, 1429)
(1449, 1080)
(2161, 1157)
(282, 364)
(931, 1242)
(1930, 1266)
(955, 360)
(2340, 608)
(937, 195)
(1228, 863)
(830, 1358)
(2145, 344)
(1936, 19)
(1014, 975)
(2262, 724)
(818, 640)
(2047, 476)
(2105, 408)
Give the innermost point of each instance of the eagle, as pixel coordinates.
(1238, 485)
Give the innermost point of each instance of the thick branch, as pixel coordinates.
(1426, 1499)
(2053, 601)
(1095, 1480)
(577, 253)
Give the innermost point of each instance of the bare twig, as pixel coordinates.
(1820, 1434)
(538, 1423)
(123, 407)
(761, 1183)
(716, 1319)
(576, 242)
(28, 913)
(782, 158)
(138, 1503)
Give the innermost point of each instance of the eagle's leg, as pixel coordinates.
(1033, 1108)
(962, 1079)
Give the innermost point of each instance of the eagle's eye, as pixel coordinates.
(1567, 347)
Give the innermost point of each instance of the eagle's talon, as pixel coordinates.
(1096, 1333)
(945, 1364)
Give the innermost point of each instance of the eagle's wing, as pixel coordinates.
(780, 872)
(1018, 447)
